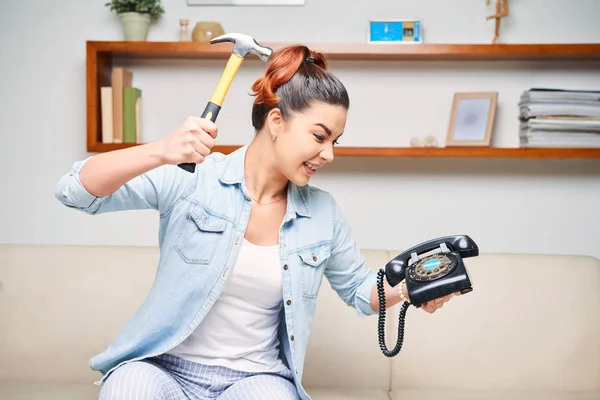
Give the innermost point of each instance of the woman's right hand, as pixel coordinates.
(190, 143)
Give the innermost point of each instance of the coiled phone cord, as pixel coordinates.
(381, 327)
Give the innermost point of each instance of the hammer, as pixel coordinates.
(242, 46)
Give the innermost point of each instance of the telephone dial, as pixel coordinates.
(428, 277)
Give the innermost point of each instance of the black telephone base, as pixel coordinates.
(425, 279)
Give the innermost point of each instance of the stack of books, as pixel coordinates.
(559, 118)
(120, 108)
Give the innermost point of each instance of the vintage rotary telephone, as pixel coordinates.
(428, 277)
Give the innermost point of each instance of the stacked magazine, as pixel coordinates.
(559, 118)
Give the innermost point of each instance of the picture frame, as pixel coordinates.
(472, 119)
(245, 2)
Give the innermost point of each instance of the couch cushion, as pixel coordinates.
(531, 323)
(489, 395)
(48, 391)
(348, 394)
(343, 349)
(66, 303)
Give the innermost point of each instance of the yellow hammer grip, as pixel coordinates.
(225, 82)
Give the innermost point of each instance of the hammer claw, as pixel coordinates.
(243, 45)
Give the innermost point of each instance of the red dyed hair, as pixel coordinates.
(283, 65)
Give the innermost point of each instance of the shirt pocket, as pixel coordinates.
(199, 237)
(313, 261)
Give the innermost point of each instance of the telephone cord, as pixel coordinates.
(381, 324)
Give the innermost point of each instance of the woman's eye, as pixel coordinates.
(321, 138)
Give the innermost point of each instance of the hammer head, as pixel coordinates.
(243, 45)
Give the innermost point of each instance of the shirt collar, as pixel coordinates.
(231, 172)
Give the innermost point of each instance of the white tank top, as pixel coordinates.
(241, 329)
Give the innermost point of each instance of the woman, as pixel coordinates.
(244, 245)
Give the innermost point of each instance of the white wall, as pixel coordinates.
(549, 206)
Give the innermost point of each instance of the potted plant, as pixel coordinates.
(136, 16)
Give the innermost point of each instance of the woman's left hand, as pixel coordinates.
(433, 305)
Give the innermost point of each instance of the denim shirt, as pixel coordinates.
(203, 217)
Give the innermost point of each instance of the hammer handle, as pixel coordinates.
(210, 112)
(214, 105)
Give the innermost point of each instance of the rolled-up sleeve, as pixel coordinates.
(158, 189)
(347, 271)
(71, 192)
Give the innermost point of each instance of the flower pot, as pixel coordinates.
(135, 25)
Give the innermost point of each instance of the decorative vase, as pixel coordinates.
(135, 25)
(205, 31)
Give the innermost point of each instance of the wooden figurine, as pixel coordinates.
(501, 12)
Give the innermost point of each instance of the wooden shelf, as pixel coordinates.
(352, 51)
(100, 54)
(437, 152)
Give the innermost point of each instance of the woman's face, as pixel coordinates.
(304, 141)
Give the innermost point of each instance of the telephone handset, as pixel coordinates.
(428, 277)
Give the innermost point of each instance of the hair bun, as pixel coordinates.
(316, 58)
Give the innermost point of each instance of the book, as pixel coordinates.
(121, 78)
(131, 114)
(106, 100)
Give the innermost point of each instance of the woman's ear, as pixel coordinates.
(274, 121)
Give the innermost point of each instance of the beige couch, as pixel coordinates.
(529, 330)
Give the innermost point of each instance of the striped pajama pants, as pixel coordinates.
(167, 377)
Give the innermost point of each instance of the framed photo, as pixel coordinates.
(245, 2)
(472, 119)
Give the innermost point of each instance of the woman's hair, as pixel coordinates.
(295, 78)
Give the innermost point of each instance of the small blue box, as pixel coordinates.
(395, 31)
